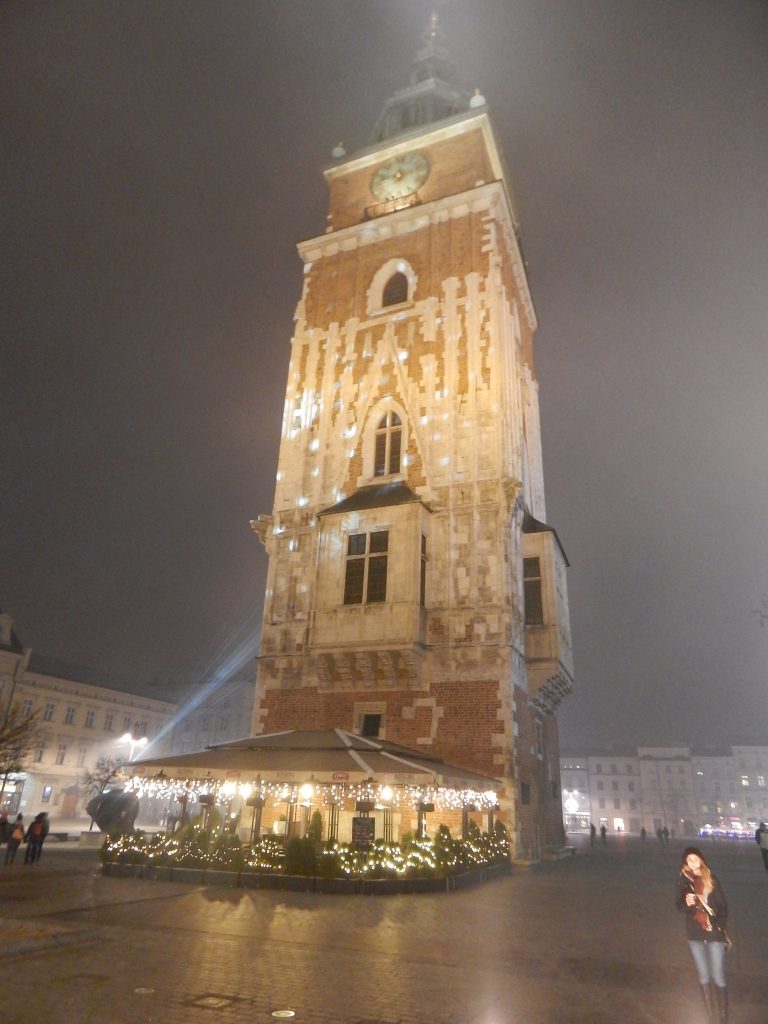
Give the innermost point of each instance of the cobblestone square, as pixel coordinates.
(593, 938)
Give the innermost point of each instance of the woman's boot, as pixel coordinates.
(721, 995)
(709, 1002)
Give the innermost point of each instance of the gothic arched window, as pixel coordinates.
(395, 290)
(389, 435)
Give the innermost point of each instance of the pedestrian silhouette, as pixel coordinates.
(15, 838)
(603, 832)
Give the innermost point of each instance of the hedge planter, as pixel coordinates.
(295, 883)
(157, 872)
(259, 880)
(338, 886)
(418, 885)
(124, 870)
(382, 886)
(192, 876)
(226, 879)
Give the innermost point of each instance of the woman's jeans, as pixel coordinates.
(709, 958)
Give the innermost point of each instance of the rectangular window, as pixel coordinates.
(600, 785)
(48, 712)
(601, 803)
(371, 725)
(616, 805)
(599, 769)
(69, 718)
(631, 787)
(108, 722)
(127, 723)
(633, 805)
(525, 793)
(142, 727)
(366, 573)
(204, 725)
(761, 781)
(39, 753)
(45, 796)
(423, 573)
(614, 785)
(534, 608)
(89, 717)
(539, 729)
(61, 753)
(745, 780)
(26, 707)
(81, 755)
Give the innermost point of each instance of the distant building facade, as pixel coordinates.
(206, 719)
(672, 787)
(81, 722)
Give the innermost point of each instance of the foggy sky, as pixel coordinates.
(161, 160)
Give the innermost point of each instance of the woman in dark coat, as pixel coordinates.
(700, 897)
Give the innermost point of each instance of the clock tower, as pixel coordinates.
(415, 590)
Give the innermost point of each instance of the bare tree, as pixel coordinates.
(93, 782)
(20, 731)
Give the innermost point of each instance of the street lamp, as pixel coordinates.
(134, 746)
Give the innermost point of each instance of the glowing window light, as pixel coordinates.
(316, 471)
(229, 789)
(402, 355)
(302, 501)
(306, 792)
(314, 444)
(424, 420)
(386, 793)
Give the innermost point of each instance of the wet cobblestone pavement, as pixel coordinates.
(594, 938)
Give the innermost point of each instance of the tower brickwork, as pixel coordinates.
(414, 589)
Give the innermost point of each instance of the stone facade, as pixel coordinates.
(445, 658)
(81, 722)
(676, 787)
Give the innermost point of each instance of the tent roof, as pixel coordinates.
(325, 754)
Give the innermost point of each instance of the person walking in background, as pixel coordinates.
(762, 838)
(665, 834)
(15, 837)
(603, 834)
(700, 897)
(4, 826)
(592, 831)
(643, 834)
(36, 834)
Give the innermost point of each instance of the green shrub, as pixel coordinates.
(315, 830)
(300, 857)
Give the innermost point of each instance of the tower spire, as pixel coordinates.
(432, 94)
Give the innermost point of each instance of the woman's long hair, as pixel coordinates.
(704, 873)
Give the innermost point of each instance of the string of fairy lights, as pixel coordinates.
(314, 792)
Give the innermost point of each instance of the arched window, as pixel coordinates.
(389, 435)
(395, 290)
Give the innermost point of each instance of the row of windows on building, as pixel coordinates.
(60, 757)
(89, 720)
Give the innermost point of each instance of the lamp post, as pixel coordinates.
(134, 746)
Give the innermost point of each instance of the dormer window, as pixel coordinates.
(395, 290)
(389, 434)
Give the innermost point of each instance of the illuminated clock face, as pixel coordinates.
(400, 177)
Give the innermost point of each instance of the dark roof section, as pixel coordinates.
(374, 496)
(531, 525)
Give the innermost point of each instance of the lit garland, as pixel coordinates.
(323, 793)
(197, 848)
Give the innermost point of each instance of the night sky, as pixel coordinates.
(161, 160)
